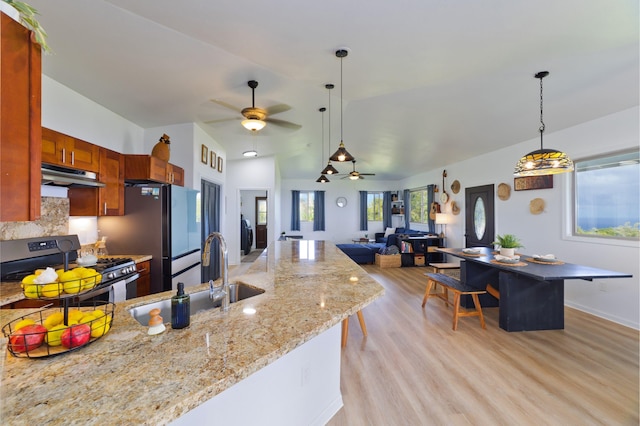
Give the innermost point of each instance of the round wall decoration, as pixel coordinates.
(454, 208)
(504, 191)
(536, 206)
(341, 202)
(455, 186)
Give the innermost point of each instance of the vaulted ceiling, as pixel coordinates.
(426, 82)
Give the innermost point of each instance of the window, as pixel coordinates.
(261, 211)
(419, 206)
(607, 196)
(306, 206)
(374, 206)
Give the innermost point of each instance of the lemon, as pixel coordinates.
(75, 315)
(28, 280)
(52, 320)
(98, 313)
(89, 278)
(71, 282)
(99, 328)
(53, 337)
(87, 318)
(59, 272)
(24, 322)
(31, 292)
(50, 290)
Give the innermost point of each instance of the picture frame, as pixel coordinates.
(533, 182)
(204, 154)
(220, 164)
(213, 159)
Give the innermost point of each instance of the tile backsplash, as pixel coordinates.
(54, 220)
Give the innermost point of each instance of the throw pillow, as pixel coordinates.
(389, 231)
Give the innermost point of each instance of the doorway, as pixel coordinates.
(479, 216)
(210, 210)
(254, 204)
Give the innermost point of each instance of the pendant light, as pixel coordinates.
(329, 170)
(322, 178)
(543, 161)
(341, 155)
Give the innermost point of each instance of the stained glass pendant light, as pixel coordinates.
(543, 161)
(341, 154)
(329, 170)
(322, 178)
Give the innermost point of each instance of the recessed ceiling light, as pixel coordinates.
(250, 153)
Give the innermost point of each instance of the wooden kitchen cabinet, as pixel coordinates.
(144, 281)
(64, 150)
(20, 120)
(145, 168)
(105, 201)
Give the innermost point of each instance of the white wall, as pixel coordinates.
(70, 113)
(614, 299)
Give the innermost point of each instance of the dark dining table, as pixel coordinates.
(531, 292)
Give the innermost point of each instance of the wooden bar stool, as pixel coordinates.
(345, 327)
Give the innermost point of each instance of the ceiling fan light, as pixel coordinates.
(329, 170)
(354, 177)
(250, 153)
(322, 179)
(341, 155)
(253, 124)
(543, 162)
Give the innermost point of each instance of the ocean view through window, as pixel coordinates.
(607, 196)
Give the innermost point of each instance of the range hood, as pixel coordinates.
(62, 176)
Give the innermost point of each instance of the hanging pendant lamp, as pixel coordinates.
(543, 161)
(341, 155)
(329, 170)
(322, 178)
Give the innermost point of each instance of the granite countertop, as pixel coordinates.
(129, 377)
(11, 291)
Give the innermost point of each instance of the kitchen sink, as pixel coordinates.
(200, 301)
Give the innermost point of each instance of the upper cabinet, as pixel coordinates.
(145, 168)
(20, 118)
(63, 150)
(104, 201)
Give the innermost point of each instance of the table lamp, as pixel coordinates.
(442, 219)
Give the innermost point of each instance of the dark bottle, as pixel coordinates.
(180, 309)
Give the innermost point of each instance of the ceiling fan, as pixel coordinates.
(256, 118)
(355, 175)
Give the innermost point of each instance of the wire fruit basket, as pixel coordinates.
(54, 331)
(61, 284)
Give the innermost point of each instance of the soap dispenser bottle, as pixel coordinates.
(180, 308)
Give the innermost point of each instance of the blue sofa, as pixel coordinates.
(361, 253)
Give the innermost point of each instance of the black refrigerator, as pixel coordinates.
(162, 221)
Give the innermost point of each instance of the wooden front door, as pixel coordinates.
(479, 216)
(261, 222)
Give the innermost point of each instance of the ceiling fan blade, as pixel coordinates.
(283, 123)
(221, 120)
(367, 174)
(277, 109)
(226, 105)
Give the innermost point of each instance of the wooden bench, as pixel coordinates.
(458, 289)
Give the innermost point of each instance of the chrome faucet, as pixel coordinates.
(222, 292)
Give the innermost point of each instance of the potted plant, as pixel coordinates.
(508, 244)
(26, 15)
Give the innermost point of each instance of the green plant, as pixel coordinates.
(28, 18)
(507, 241)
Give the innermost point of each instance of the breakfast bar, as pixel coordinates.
(531, 292)
(182, 376)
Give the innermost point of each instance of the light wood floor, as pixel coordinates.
(413, 369)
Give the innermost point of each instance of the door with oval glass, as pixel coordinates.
(479, 216)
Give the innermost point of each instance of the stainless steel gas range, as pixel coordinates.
(19, 258)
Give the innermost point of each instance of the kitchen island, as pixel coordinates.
(129, 377)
